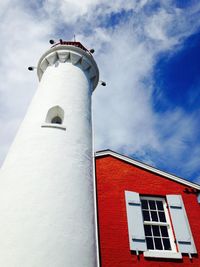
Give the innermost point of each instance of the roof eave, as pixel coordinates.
(146, 167)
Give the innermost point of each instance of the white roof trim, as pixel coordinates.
(146, 167)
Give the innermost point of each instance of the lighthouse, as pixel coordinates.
(47, 213)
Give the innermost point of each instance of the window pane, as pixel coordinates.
(149, 241)
(162, 216)
(159, 205)
(144, 204)
(57, 120)
(155, 224)
(158, 243)
(156, 231)
(164, 231)
(166, 244)
(146, 215)
(152, 204)
(154, 216)
(147, 229)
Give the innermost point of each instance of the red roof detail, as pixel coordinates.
(77, 44)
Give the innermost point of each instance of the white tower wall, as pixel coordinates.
(46, 182)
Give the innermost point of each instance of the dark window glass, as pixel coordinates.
(156, 231)
(152, 204)
(162, 216)
(154, 216)
(164, 231)
(149, 243)
(159, 205)
(157, 237)
(147, 229)
(166, 244)
(57, 120)
(158, 243)
(146, 215)
(144, 204)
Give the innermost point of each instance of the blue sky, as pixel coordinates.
(147, 52)
(178, 76)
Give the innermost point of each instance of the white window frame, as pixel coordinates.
(173, 253)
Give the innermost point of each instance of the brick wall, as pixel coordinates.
(114, 176)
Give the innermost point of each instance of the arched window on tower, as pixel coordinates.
(55, 118)
(55, 115)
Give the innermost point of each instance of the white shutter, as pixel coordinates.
(181, 225)
(135, 222)
(198, 198)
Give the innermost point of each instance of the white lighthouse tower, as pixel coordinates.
(46, 182)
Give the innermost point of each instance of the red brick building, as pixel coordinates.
(146, 217)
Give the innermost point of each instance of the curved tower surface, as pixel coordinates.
(47, 216)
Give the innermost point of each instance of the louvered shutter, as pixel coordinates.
(135, 222)
(181, 225)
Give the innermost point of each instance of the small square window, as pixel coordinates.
(157, 227)
(150, 227)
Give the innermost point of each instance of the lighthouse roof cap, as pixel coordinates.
(66, 50)
(71, 43)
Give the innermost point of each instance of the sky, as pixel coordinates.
(148, 54)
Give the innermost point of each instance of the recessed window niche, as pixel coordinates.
(54, 118)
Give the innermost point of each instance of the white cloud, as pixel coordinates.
(72, 11)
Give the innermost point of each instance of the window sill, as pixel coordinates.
(162, 254)
(53, 125)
